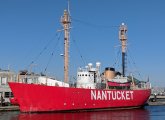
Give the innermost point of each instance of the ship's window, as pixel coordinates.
(3, 81)
(85, 74)
(89, 75)
(82, 74)
(8, 94)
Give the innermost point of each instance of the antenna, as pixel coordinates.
(69, 7)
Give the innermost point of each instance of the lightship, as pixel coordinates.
(94, 90)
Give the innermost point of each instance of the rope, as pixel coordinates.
(134, 64)
(84, 62)
(48, 62)
(117, 58)
(44, 49)
(94, 25)
(52, 54)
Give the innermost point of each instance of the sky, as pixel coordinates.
(31, 32)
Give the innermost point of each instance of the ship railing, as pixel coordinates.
(142, 85)
(82, 70)
(86, 85)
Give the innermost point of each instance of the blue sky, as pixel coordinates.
(29, 26)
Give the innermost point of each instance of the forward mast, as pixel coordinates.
(65, 20)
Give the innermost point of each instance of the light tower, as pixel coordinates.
(65, 20)
(123, 39)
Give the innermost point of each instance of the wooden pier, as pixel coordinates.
(9, 108)
(157, 97)
(156, 100)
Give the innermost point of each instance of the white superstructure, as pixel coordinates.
(40, 79)
(51, 82)
(88, 77)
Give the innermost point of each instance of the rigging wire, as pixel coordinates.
(48, 62)
(134, 64)
(43, 50)
(94, 25)
(128, 60)
(117, 58)
(82, 58)
(52, 54)
(69, 7)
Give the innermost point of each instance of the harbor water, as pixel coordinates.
(146, 113)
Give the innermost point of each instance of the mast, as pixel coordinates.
(123, 39)
(65, 20)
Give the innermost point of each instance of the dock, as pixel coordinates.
(156, 103)
(157, 97)
(156, 100)
(9, 108)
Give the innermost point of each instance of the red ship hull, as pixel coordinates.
(40, 98)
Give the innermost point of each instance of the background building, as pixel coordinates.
(5, 92)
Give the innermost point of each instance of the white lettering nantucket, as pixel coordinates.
(111, 95)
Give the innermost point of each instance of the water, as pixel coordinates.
(147, 113)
